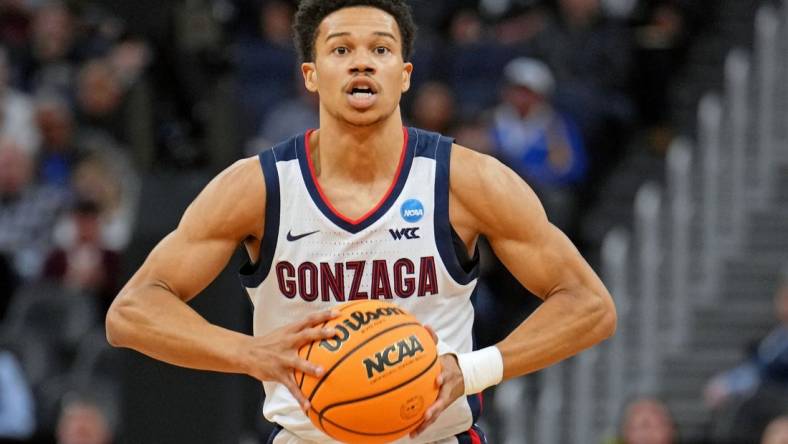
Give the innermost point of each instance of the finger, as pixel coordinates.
(313, 334)
(315, 319)
(434, 410)
(289, 382)
(437, 407)
(440, 404)
(307, 367)
(429, 417)
(432, 333)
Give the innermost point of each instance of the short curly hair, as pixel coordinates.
(312, 12)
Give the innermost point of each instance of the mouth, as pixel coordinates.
(362, 94)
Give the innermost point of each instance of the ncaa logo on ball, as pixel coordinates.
(412, 210)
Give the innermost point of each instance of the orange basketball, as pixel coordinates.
(379, 374)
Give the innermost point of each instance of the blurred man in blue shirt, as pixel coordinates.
(538, 141)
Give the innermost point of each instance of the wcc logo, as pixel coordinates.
(405, 233)
(412, 210)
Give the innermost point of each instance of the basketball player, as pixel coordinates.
(362, 208)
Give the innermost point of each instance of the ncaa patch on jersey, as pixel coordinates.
(412, 210)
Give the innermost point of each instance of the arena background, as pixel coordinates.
(653, 130)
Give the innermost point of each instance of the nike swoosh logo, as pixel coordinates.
(292, 238)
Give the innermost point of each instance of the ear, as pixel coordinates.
(309, 71)
(407, 70)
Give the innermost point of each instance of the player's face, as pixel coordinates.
(358, 71)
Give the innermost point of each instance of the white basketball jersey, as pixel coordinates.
(312, 258)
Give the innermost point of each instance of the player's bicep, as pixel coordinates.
(544, 265)
(182, 265)
(227, 211)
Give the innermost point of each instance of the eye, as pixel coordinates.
(341, 50)
(381, 50)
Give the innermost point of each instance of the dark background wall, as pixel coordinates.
(168, 404)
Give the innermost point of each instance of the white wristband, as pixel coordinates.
(481, 369)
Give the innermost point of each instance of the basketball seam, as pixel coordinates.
(351, 401)
(365, 433)
(353, 350)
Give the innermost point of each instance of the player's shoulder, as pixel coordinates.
(240, 185)
(230, 206)
(470, 159)
(472, 171)
(489, 190)
(240, 175)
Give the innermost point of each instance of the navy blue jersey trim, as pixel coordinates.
(443, 228)
(427, 143)
(274, 432)
(465, 437)
(286, 150)
(413, 140)
(475, 403)
(254, 274)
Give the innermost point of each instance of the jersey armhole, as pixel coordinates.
(462, 268)
(252, 274)
(465, 260)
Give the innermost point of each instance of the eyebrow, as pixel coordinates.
(377, 33)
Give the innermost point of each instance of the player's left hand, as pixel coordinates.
(451, 387)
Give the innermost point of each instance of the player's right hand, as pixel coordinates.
(273, 357)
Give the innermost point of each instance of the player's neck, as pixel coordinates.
(360, 153)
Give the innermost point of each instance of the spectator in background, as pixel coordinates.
(647, 421)
(129, 60)
(434, 108)
(466, 28)
(57, 154)
(17, 408)
(591, 56)
(265, 63)
(27, 210)
(15, 18)
(776, 432)
(539, 142)
(472, 63)
(105, 177)
(16, 111)
(525, 26)
(52, 64)
(100, 96)
(745, 398)
(275, 22)
(87, 419)
(590, 50)
(289, 117)
(767, 365)
(82, 261)
(661, 40)
(474, 132)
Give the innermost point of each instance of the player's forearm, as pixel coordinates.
(565, 324)
(155, 322)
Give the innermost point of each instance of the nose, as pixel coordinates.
(362, 63)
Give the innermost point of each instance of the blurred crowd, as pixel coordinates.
(749, 402)
(68, 194)
(96, 94)
(556, 89)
